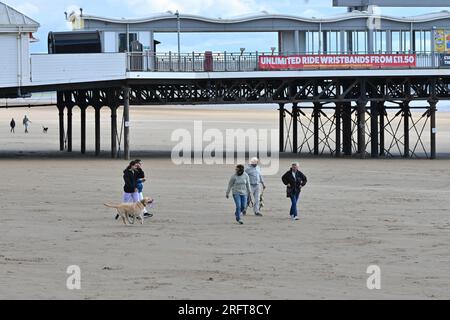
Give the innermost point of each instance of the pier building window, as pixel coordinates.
(401, 41)
(380, 41)
(123, 41)
(312, 42)
(333, 43)
(406, 41)
(359, 41)
(422, 41)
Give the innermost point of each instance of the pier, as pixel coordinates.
(361, 91)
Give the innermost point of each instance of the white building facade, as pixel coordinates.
(16, 32)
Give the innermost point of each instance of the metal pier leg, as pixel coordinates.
(83, 129)
(338, 128)
(405, 107)
(126, 117)
(381, 112)
(281, 127)
(347, 128)
(97, 104)
(113, 131)
(69, 128)
(433, 104)
(295, 128)
(374, 129)
(97, 129)
(362, 128)
(316, 116)
(61, 106)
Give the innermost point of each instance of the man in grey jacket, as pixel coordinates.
(256, 184)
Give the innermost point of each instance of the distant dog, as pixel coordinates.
(135, 210)
(44, 129)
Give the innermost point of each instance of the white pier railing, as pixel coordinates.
(49, 69)
(246, 62)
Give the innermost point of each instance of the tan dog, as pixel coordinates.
(135, 210)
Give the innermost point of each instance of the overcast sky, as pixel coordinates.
(50, 14)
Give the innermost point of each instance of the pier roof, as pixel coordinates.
(11, 20)
(256, 22)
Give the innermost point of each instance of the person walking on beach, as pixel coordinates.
(12, 124)
(130, 190)
(26, 122)
(294, 180)
(239, 184)
(140, 179)
(256, 183)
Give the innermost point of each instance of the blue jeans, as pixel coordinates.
(294, 199)
(240, 200)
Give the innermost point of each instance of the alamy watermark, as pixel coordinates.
(73, 281)
(374, 280)
(374, 21)
(229, 146)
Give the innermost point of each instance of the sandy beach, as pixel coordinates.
(354, 213)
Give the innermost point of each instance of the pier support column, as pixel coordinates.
(347, 128)
(97, 104)
(281, 127)
(316, 117)
(406, 112)
(381, 113)
(97, 109)
(338, 115)
(113, 131)
(126, 117)
(69, 127)
(295, 128)
(433, 130)
(83, 128)
(374, 153)
(361, 113)
(61, 107)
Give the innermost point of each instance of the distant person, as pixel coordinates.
(294, 180)
(140, 179)
(130, 190)
(26, 122)
(256, 182)
(239, 184)
(12, 124)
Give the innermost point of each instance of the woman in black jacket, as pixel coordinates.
(130, 191)
(294, 180)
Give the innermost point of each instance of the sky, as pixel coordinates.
(50, 14)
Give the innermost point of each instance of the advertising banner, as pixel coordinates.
(342, 61)
(439, 41)
(445, 61)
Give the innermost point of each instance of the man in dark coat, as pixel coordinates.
(294, 180)
(12, 124)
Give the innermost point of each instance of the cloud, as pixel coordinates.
(27, 8)
(211, 8)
